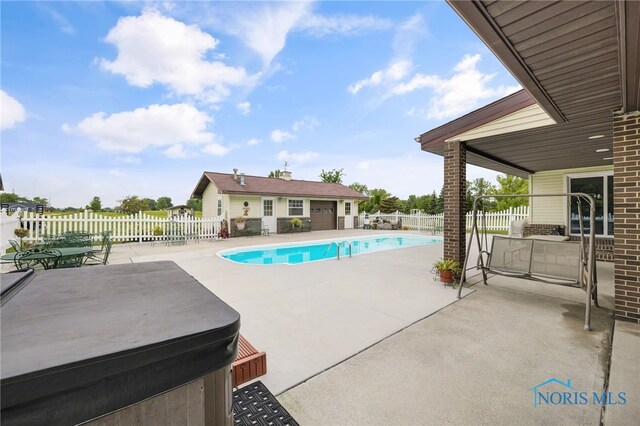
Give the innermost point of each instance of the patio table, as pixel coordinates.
(65, 253)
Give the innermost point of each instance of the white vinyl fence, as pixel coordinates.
(138, 227)
(495, 221)
(7, 225)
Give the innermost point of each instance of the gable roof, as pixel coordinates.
(273, 186)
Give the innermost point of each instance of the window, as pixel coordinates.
(601, 189)
(296, 207)
(347, 209)
(267, 207)
(219, 206)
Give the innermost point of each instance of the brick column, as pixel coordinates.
(626, 200)
(455, 181)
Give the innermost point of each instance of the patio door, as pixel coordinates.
(348, 217)
(269, 218)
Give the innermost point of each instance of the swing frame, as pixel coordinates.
(587, 257)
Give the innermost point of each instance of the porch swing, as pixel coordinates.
(566, 263)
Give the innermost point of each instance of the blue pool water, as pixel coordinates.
(310, 251)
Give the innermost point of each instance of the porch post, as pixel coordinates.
(626, 201)
(455, 181)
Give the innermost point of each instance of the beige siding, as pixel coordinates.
(236, 206)
(210, 201)
(527, 118)
(553, 210)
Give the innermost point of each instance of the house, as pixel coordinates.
(180, 211)
(273, 202)
(575, 126)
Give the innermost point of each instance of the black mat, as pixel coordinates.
(253, 404)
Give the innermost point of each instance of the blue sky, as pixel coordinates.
(126, 98)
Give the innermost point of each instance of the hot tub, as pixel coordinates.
(79, 344)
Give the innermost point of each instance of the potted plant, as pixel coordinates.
(296, 223)
(447, 269)
(240, 222)
(21, 233)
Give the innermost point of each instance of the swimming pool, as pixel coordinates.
(311, 251)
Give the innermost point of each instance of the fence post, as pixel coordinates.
(139, 226)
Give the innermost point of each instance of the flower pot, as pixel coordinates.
(240, 225)
(446, 277)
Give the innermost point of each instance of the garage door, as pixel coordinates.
(323, 215)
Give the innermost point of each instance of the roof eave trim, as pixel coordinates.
(478, 19)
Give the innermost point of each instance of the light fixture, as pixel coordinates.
(596, 137)
(602, 150)
(608, 158)
(417, 139)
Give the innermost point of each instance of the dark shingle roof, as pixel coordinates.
(273, 186)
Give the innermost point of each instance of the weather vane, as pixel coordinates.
(285, 166)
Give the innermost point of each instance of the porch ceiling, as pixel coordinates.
(579, 60)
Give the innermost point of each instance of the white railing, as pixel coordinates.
(7, 225)
(138, 227)
(495, 221)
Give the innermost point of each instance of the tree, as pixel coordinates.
(152, 204)
(478, 187)
(274, 174)
(390, 205)
(376, 195)
(132, 204)
(360, 187)
(41, 200)
(163, 203)
(332, 176)
(195, 204)
(95, 204)
(508, 184)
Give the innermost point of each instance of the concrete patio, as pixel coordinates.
(374, 340)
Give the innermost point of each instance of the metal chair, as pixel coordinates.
(15, 245)
(100, 257)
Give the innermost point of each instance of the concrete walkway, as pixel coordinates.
(347, 330)
(310, 317)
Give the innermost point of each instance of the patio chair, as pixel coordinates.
(100, 257)
(516, 228)
(265, 230)
(15, 245)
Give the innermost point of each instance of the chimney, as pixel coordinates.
(285, 175)
(235, 174)
(241, 178)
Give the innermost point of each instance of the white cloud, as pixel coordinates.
(127, 159)
(407, 35)
(177, 151)
(60, 20)
(253, 141)
(264, 26)
(142, 128)
(297, 158)
(394, 72)
(11, 111)
(462, 92)
(279, 136)
(308, 122)
(244, 108)
(215, 149)
(116, 172)
(156, 49)
(319, 25)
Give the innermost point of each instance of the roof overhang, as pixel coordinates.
(578, 60)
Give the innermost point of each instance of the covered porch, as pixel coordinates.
(577, 116)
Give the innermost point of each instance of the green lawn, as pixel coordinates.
(154, 213)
